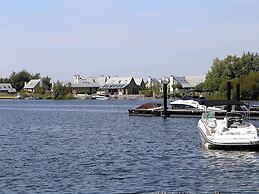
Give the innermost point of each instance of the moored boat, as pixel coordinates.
(234, 131)
(99, 97)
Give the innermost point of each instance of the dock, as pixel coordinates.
(182, 113)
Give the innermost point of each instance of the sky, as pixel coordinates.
(140, 38)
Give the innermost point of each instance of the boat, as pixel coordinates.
(152, 106)
(189, 103)
(233, 132)
(99, 97)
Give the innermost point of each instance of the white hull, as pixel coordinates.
(99, 98)
(218, 136)
(250, 143)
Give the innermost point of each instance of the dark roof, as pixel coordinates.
(222, 102)
(114, 86)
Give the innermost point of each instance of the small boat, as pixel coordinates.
(232, 132)
(99, 97)
(191, 104)
(152, 106)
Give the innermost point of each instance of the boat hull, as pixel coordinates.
(252, 144)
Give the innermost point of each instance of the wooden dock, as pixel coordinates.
(254, 115)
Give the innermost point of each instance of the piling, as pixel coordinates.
(165, 99)
(238, 92)
(228, 95)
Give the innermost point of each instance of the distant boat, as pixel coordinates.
(232, 132)
(150, 106)
(189, 104)
(99, 97)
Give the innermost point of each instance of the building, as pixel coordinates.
(7, 88)
(34, 83)
(120, 86)
(85, 88)
(188, 83)
(88, 85)
(107, 84)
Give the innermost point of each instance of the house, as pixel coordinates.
(85, 88)
(120, 86)
(189, 82)
(87, 85)
(34, 83)
(7, 88)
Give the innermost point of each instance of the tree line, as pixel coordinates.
(243, 70)
(18, 79)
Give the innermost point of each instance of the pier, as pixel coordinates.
(254, 115)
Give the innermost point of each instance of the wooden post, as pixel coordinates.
(238, 92)
(228, 95)
(165, 100)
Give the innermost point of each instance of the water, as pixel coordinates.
(95, 147)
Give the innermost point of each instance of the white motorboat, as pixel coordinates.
(234, 131)
(99, 97)
(190, 104)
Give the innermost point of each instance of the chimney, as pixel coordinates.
(41, 83)
(25, 84)
(171, 84)
(76, 79)
(149, 82)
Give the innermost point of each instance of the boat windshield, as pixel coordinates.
(234, 115)
(208, 115)
(235, 120)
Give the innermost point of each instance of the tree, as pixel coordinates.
(46, 80)
(61, 91)
(18, 79)
(4, 80)
(200, 87)
(178, 85)
(230, 68)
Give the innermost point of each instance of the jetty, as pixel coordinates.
(156, 109)
(254, 115)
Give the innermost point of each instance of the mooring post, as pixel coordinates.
(165, 99)
(238, 92)
(228, 95)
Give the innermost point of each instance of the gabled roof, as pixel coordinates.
(86, 85)
(195, 80)
(114, 86)
(182, 80)
(32, 84)
(7, 87)
(117, 82)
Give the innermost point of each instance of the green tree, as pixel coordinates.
(178, 85)
(4, 80)
(230, 68)
(61, 91)
(18, 79)
(200, 87)
(46, 80)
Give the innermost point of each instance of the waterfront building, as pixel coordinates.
(34, 83)
(113, 85)
(120, 86)
(7, 88)
(87, 85)
(188, 83)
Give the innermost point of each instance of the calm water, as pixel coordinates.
(95, 147)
